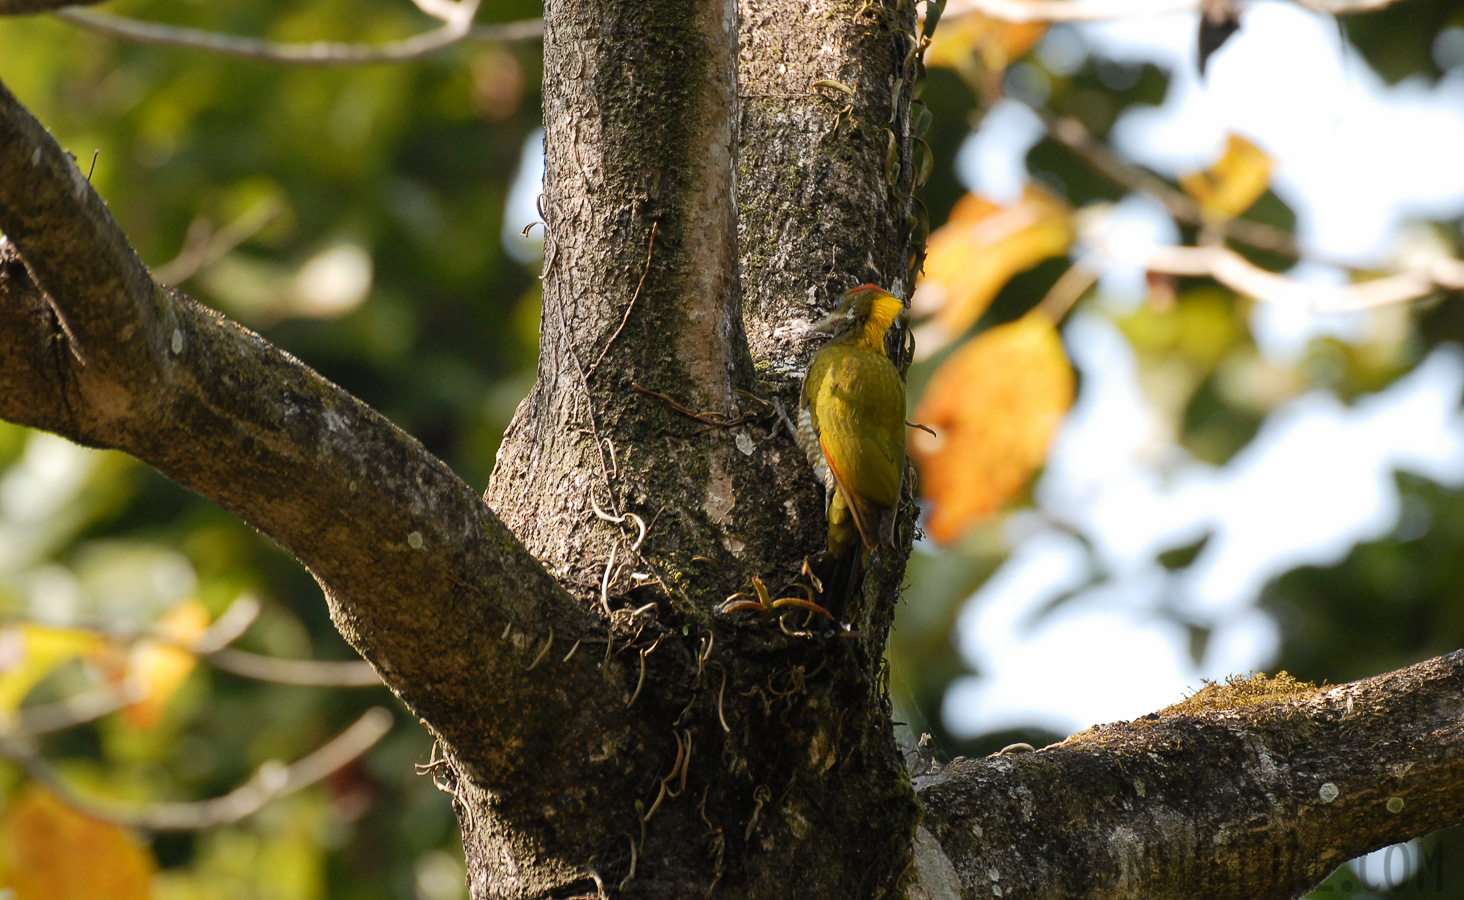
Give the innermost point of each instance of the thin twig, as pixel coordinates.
(720, 691)
(87, 706)
(650, 249)
(230, 626)
(542, 653)
(203, 246)
(316, 53)
(26, 7)
(1072, 134)
(227, 628)
(640, 682)
(640, 523)
(272, 780)
(1066, 291)
(1023, 11)
(709, 418)
(304, 672)
(1234, 271)
(605, 581)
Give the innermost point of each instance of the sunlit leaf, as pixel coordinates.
(979, 249)
(994, 43)
(1235, 182)
(49, 851)
(156, 669)
(29, 652)
(994, 406)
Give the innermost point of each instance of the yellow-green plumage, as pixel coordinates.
(852, 423)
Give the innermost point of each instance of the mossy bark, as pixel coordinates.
(651, 408)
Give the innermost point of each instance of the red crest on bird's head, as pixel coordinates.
(846, 300)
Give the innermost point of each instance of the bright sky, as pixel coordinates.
(1358, 161)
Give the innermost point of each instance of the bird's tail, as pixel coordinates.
(841, 579)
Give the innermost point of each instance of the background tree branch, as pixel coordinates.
(27, 7)
(1251, 790)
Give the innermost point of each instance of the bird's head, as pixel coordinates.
(864, 314)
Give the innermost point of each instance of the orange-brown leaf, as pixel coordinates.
(157, 668)
(1237, 180)
(979, 249)
(994, 405)
(49, 851)
(996, 43)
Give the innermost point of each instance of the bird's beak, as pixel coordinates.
(827, 323)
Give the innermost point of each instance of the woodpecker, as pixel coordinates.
(851, 427)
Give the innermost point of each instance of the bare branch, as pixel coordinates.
(1220, 797)
(87, 706)
(1023, 11)
(272, 780)
(320, 53)
(305, 672)
(1346, 7)
(27, 7)
(203, 246)
(230, 626)
(1244, 277)
(1070, 133)
(1225, 265)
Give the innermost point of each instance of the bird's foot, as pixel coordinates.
(760, 601)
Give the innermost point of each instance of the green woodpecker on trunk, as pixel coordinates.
(851, 426)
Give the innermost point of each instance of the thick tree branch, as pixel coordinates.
(1231, 794)
(421, 577)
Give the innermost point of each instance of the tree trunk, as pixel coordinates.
(765, 748)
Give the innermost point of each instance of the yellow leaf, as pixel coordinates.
(30, 652)
(979, 249)
(995, 405)
(156, 669)
(998, 44)
(50, 851)
(1235, 182)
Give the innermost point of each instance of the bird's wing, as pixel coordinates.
(861, 431)
(863, 511)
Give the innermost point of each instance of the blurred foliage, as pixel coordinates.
(353, 216)
(1208, 384)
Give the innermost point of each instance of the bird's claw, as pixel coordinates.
(760, 600)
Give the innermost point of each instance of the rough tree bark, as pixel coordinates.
(605, 730)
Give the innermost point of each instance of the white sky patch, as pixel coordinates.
(1354, 157)
(1130, 227)
(522, 206)
(992, 159)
